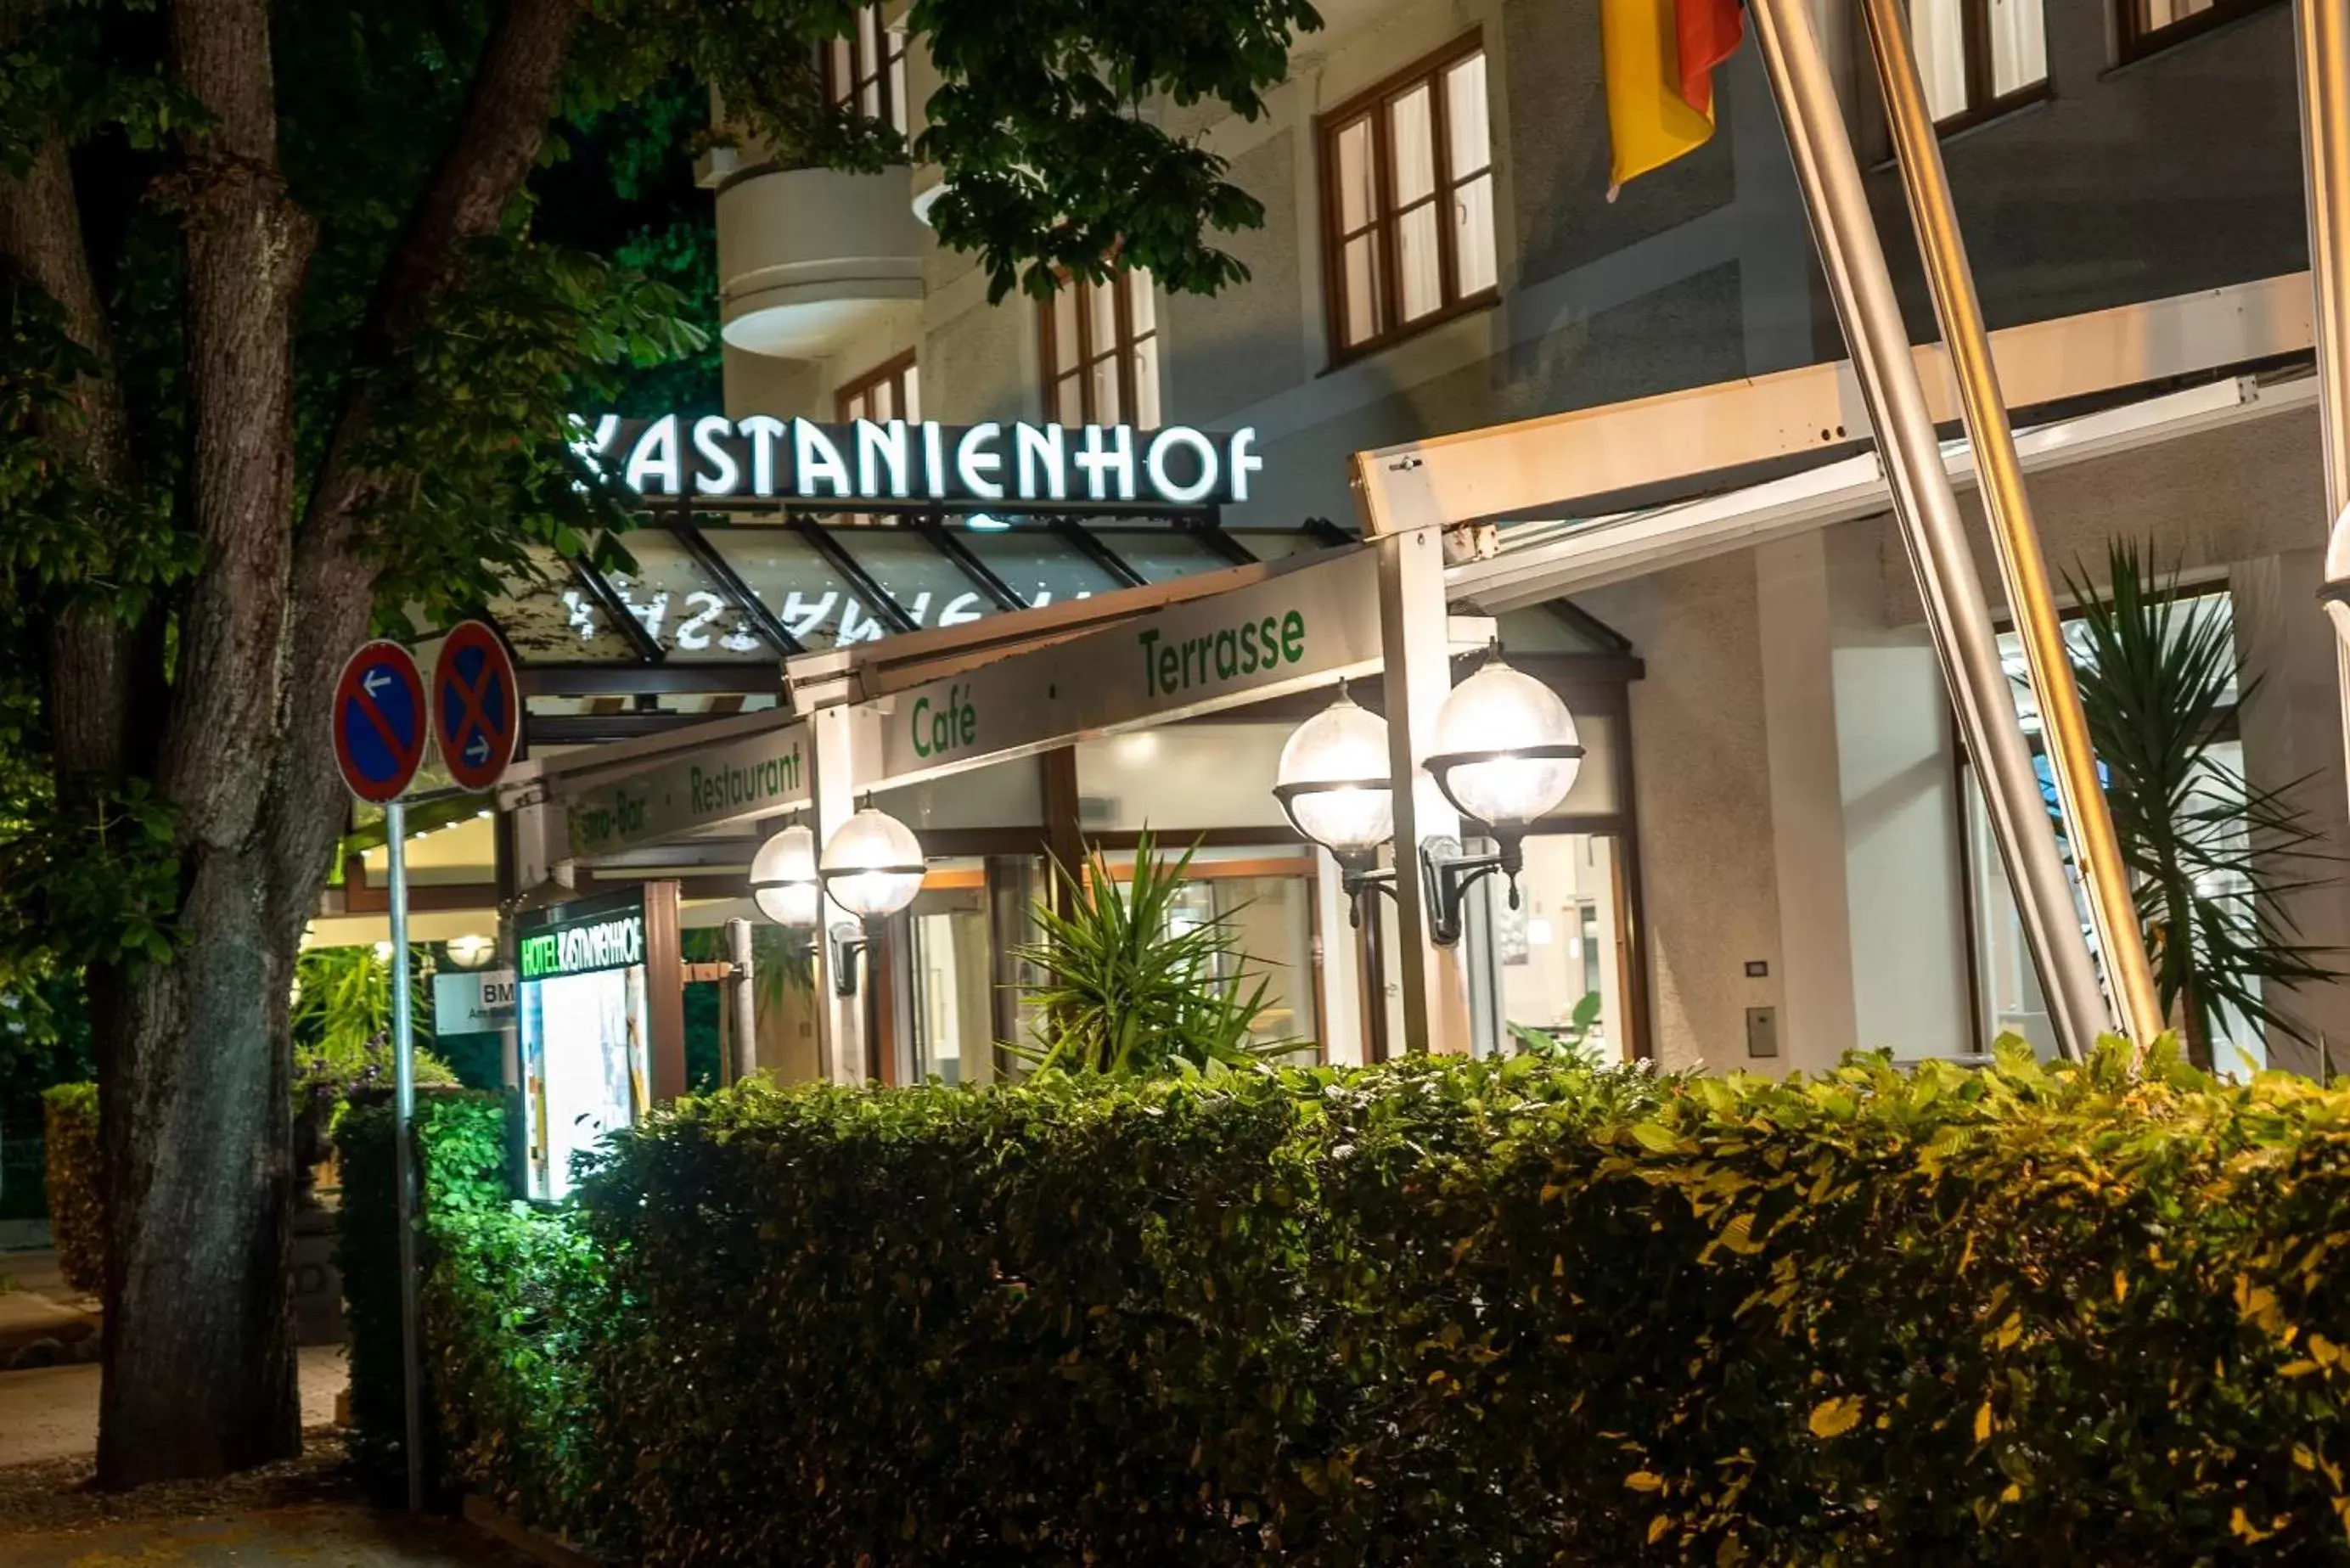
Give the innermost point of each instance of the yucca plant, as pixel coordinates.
(1126, 992)
(2211, 856)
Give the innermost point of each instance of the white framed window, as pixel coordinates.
(1408, 201)
(1101, 351)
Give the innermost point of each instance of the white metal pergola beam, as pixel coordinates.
(1542, 562)
(1560, 460)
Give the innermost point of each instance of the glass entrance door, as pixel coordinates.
(1567, 941)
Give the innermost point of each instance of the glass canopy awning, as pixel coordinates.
(717, 600)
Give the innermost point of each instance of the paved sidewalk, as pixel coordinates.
(317, 1535)
(52, 1413)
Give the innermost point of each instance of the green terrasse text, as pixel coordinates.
(1225, 655)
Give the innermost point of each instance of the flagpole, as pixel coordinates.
(2322, 50)
(2023, 571)
(1926, 510)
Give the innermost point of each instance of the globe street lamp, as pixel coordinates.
(783, 879)
(872, 866)
(471, 952)
(1506, 753)
(1333, 786)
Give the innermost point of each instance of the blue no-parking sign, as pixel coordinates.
(380, 721)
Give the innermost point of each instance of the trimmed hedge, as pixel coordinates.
(461, 1140)
(71, 1176)
(1431, 1314)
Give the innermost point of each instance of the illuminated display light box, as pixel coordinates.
(583, 1021)
(898, 462)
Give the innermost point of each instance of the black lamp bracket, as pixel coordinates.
(1448, 872)
(1362, 880)
(845, 940)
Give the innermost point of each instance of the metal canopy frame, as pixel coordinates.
(1574, 464)
(690, 521)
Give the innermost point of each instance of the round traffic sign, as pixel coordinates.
(380, 721)
(476, 705)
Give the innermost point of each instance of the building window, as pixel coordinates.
(2150, 24)
(867, 70)
(1980, 57)
(2008, 997)
(1408, 202)
(1101, 352)
(889, 391)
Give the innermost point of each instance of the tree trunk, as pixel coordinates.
(194, 1070)
(195, 1111)
(2183, 945)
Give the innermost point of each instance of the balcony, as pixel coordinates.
(809, 258)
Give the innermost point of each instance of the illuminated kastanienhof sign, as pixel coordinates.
(581, 938)
(895, 459)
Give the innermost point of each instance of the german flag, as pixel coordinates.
(1660, 57)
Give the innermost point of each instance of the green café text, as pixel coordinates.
(953, 722)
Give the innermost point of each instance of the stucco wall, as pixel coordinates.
(2291, 729)
(1898, 780)
(1664, 338)
(2179, 171)
(2203, 500)
(1702, 779)
(980, 364)
(1251, 342)
(1559, 149)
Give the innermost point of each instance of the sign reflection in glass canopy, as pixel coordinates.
(724, 587)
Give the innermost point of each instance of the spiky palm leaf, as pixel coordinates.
(1127, 994)
(2209, 852)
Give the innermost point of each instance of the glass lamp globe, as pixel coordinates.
(1507, 749)
(873, 864)
(1333, 779)
(471, 952)
(784, 880)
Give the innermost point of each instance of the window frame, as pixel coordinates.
(1124, 351)
(892, 373)
(2137, 41)
(1372, 105)
(1983, 105)
(886, 76)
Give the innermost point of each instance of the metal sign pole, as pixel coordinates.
(2081, 800)
(403, 1057)
(2321, 43)
(743, 991)
(1928, 512)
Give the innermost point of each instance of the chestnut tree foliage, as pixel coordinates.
(296, 301)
